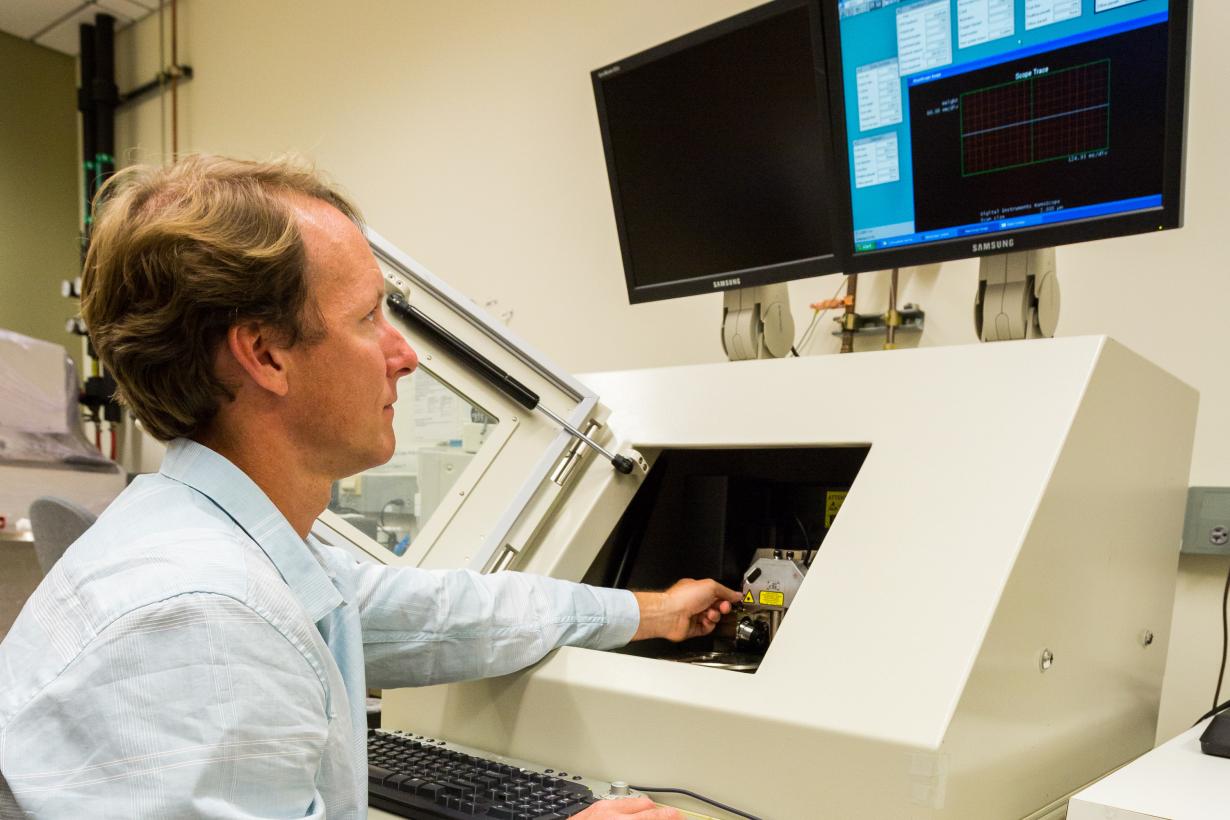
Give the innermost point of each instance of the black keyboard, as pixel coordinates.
(420, 777)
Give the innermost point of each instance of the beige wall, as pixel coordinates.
(39, 166)
(467, 131)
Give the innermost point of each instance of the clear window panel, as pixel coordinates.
(438, 432)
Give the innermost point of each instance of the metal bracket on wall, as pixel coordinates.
(867, 324)
(178, 73)
(1206, 526)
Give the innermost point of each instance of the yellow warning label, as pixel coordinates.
(770, 598)
(832, 503)
(747, 597)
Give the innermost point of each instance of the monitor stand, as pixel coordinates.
(1018, 296)
(757, 323)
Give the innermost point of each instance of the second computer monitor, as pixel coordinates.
(984, 126)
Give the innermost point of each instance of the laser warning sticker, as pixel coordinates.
(832, 503)
(770, 598)
(747, 597)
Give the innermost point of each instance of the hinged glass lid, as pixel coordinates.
(482, 448)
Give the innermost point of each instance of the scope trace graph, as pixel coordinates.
(1041, 118)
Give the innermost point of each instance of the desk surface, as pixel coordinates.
(1175, 781)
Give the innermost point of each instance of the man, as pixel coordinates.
(196, 653)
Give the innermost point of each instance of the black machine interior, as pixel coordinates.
(711, 513)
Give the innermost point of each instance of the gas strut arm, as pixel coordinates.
(490, 371)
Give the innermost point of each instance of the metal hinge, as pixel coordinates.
(572, 456)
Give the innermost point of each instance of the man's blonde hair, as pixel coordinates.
(180, 254)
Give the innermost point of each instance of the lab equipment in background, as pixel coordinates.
(969, 639)
(719, 156)
(42, 448)
(1037, 126)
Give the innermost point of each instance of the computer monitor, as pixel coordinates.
(978, 127)
(718, 147)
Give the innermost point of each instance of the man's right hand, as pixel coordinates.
(628, 808)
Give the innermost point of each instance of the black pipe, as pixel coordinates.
(106, 96)
(89, 135)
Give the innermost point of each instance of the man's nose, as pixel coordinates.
(402, 359)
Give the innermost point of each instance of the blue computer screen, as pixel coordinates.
(972, 117)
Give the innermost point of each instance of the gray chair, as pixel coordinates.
(56, 524)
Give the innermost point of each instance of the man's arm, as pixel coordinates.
(423, 627)
(194, 706)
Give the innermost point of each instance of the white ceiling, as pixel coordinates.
(53, 23)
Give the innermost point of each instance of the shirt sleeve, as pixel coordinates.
(192, 707)
(423, 627)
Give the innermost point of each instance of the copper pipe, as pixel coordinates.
(849, 320)
(174, 80)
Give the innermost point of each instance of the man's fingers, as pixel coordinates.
(631, 805)
(639, 808)
(726, 594)
(660, 813)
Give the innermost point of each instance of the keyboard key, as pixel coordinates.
(570, 786)
(378, 774)
(432, 790)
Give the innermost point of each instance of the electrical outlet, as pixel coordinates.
(1206, 527)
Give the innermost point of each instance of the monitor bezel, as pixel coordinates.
(739, 278)
(1168, 216)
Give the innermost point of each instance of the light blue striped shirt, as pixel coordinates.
(192, 656)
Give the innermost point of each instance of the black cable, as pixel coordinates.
(1225, 633)
(1225, 642)
(701, 797)
(400, 502)
(807, 542)
(1219, 708)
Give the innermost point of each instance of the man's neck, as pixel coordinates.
(279, 470)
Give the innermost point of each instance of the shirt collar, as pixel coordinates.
(237, 495)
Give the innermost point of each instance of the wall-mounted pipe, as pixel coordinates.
(89, 141)
(174, 81)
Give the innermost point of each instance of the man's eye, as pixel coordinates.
(371, 317)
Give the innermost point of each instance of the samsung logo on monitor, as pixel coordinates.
(727, 283)
(606, 72)
(994, 245)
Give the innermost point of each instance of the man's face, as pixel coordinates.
(342, 389)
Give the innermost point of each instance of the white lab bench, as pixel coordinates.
(1175, 781)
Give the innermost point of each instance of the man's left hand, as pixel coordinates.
(688, 609)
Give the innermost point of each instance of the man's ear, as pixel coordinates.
(254, 348)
